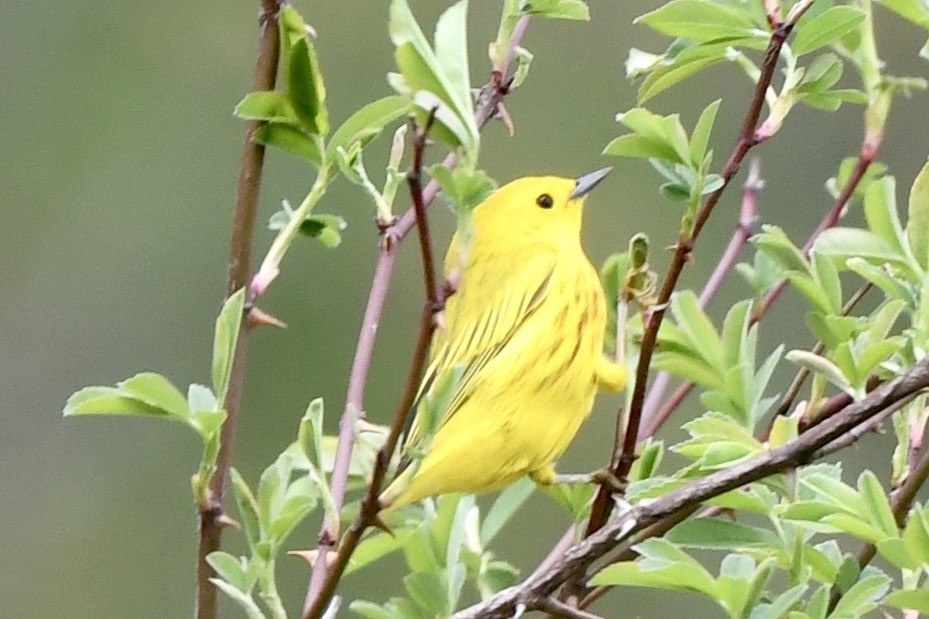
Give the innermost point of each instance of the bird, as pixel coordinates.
(524, 333)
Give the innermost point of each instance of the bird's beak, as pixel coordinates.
(588, 182)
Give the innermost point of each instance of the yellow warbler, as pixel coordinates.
(526, 326)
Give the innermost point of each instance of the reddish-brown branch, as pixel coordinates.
(210, 518)
(624, 455)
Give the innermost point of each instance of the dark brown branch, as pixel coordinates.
(211, 515)
(618, 534)
(415, 180)
(624, 457)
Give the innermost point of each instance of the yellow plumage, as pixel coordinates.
(526, 324)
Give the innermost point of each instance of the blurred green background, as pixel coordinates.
(119, 156)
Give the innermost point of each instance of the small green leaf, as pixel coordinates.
(248, 508)
(860, 598)
(225, 340)
(509, 501)
(427, 591)
(556, 9)
(915, 11)
(108, 401)
(230, 569)
(700, 137)
(373, 117)
(876, 503)
(822, 366)
(720, 534)
(305, 88)
(289, 139)
(268, 105)
(851, 242)
(917, 225)
(698, 21)
(912, 599)
(156, 391)
(327, 228)
(826, 28)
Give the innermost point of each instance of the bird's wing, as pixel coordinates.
(500, 304)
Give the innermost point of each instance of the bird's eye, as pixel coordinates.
(545, 201)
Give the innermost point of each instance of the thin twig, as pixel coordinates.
(531, 593)
(745, 227)
(211, 516)
(557, 608)
(490, 98)
(624, 456)
(323, 579)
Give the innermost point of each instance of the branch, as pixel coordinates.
(489, 99)
(211, 516)
(817, 442)
(623, 459)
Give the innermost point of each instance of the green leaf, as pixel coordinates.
(225, 340)
(917, 225)
(880, 207)
(248, 509)
(916, 535)
(374, 547)
(108, 401)
(664, 77)
(509, 501)
(305, 87)
(200, 397)
(698, 20)
(876, 503)
(425, 75)
(638, 146)
(268, 105)
(826, 28)
(846, 243)
(860, 598)
(427, 591)
(368, 121)
(289, 139)
(912, 599)
(699, 329)
(327, 228)
(556, 9)
(720, 534)
(156, 391)
(230, 569)
(823, 366)
(700, 137)
(776, 245)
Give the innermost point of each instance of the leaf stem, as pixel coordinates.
(210, 517)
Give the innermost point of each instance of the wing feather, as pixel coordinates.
(500, 304)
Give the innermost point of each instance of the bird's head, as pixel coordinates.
(538, 208)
